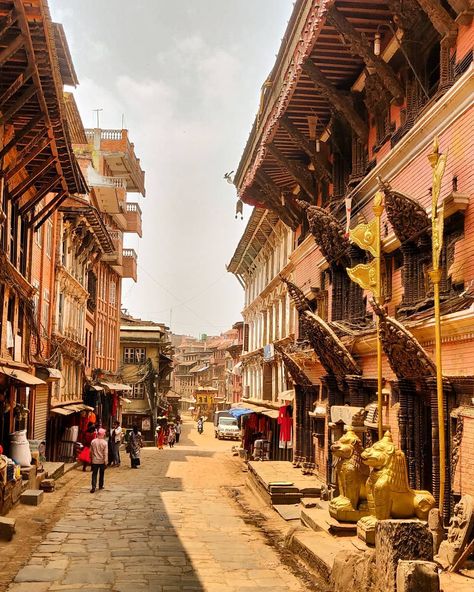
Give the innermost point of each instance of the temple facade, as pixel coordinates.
(352, 106)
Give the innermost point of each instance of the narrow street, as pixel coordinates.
(171, 526)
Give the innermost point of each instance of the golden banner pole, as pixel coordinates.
(378, 211)
(438, 164)
(369, 277)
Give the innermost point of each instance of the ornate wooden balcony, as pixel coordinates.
(133, 216)
(129, 264)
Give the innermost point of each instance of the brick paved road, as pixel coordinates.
(166, 527)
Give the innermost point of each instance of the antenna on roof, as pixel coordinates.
(97, 111)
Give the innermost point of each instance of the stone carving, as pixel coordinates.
(388, 492)
(405, 355)
(409, 220)
(332, 353)
(461, 527)
(350, 505)
(328, 233)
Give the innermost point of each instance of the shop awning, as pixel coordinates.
(116, 386)
(95, 387)
(172, 395)
(125, 400)
(273, 413)
(50, 373)
(240, 412)
(287, 395)
(62, 411)
(21, 376)
(319, 412)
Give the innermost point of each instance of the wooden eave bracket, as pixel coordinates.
(360, 45)
(338, 100)
(295, 168)
(440, 19)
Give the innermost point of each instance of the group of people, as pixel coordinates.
(99, 453)
(168, 434)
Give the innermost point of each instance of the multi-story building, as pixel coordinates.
(145, 365)
(39, 172)
(356, 96)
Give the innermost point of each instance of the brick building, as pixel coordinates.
(355, 98)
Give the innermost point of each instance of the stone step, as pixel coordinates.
(53, 470)
(318, 550)
(7, 528)
(318, 519)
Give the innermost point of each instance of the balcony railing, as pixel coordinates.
(130, 264)
(133, 217)
(114, 144)
(114, 258)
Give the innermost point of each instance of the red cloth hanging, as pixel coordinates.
(285, 421)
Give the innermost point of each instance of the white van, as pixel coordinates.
(226, 426)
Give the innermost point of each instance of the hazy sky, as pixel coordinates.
(185, 75)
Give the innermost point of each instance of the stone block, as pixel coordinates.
(48, 485)
(32, 497)
(417, 576)
(353, 570)
(397, 540)
(7, 528)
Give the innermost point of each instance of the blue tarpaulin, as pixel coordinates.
(240, 412)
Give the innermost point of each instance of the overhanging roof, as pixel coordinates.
(21, 376)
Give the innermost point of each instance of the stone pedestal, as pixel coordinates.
(436, 528)
(347, 514)
(417, 576)
(7, 528)
(366, 531)
(353, 570)
(32, 497)
(397, 540)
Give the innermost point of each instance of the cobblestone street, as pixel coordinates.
(168, 527)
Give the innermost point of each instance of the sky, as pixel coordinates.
(184, 76)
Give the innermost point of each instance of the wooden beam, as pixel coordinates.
(9, 20)
(11, 49)
(295, 168)
(302, 142)
(341, 103)
(18, 104)
(439, 17)
(273, 195)
(361, 46)
(15, 86)
(22, 187)
(42, 192)
(26, 159)
(21, 134)
(46, 212)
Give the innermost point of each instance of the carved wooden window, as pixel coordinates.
(246, 338)
(340, 175)
(432, 69)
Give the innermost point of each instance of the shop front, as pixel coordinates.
(65, 426)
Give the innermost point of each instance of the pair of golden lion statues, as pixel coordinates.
(373, 483)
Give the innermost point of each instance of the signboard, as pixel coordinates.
(146, 424)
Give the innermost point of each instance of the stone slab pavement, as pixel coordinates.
(167, 527)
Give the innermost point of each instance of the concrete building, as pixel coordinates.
(146, 358)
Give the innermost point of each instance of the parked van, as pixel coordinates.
(226, 426)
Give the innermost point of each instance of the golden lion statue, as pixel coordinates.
(349, 506)
(388, 492)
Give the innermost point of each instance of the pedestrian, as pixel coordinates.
(200, 425)
(85, 451)
(171, 436)
(160, 437)
(98, 459)
(177, 431)
(116, 440)
(135, 443)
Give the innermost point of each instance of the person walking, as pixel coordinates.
(171, 436)
(135, 443)
(116, 440)
(177, 431)
(98, 459)
(160, 437)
